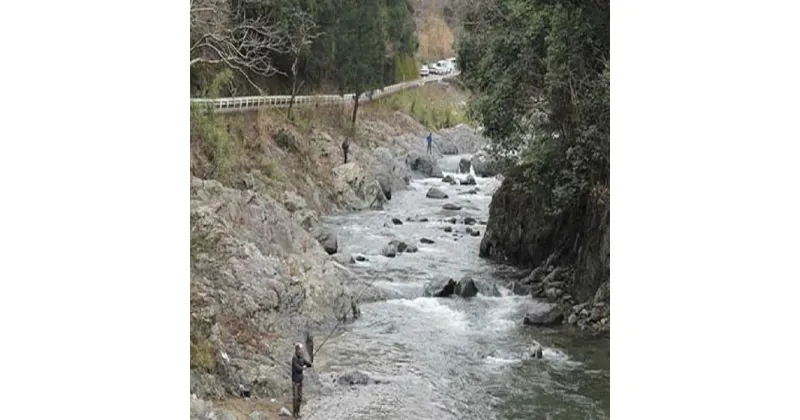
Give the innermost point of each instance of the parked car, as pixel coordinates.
(437, 68)
(424, 71)
(445, 66)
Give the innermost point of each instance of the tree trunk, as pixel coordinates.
(355, 110)
(291, 100)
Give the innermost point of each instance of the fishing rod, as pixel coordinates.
(342, 319)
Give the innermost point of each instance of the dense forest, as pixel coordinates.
(540, 72)
(541, 68)
(287, 46)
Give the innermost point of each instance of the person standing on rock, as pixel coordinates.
(299, 363)
(345, 148)
(430, 140)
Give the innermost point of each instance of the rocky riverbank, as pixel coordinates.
(263, 271)
(568, 250)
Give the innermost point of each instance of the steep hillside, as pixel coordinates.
(263, 271)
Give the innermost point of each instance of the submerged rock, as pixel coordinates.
(436, 193)
(549, 316)
(451, 206)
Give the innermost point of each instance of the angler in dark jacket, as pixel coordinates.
(299, 363)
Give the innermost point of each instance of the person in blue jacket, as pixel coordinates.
(429, 139)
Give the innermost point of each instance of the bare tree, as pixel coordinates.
(223, 32)
(302, 32)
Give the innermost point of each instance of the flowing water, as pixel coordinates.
(449, 358)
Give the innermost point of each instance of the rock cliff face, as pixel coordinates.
(569, 250)
(258, 280)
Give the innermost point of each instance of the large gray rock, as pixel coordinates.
(546, 316)
(464, 165)
(353, 378)
(357, 189)
(484, 164)
(424, 165)
(436, 193)
(328, 240)
(252, 267)
(392, 173)
(441, 287)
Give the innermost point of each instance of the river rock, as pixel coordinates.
(469, 220)
(469, 180)
(358, 257)
(436, 193)
(450, 180)
(424, 165)
(452, 220)
(353, 378)
(397, 221)
(356, 188)
(328, 240)
(389, 251)
(535, 350)
(466, 288)
(385, 184)
(475, 232)
(448, 229)
(411, 248)
(553, 293)
(536, 276)
(520, 289)
(451, 206)
(426, 241)
(484, 165)
(464, 165)
(441, 287)
(469, 192)
(285, 412)
(399, 245)
(547, 316)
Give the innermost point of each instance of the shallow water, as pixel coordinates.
(449, 358)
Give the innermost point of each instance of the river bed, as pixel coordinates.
(449, 358)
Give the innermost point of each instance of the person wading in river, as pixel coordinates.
(299, 363)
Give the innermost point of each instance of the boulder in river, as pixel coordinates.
(389, 251)
(442, 287)
(535, 350)
(328, 240)
(448, 229)
(356, 378)
(451, 206)
(484, 164)
(397, 221)
(466, 288)
(469, 220)
(426, 241)
(549, 315)
(450, 180)
(424, 165)
(356, 188)
(469, 180)
(464, 165)
(436, 193)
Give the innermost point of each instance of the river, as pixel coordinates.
(449, 358)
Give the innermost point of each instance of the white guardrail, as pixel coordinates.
(243, 103)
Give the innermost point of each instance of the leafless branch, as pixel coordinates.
(225, 34)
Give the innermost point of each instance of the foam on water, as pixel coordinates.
(444, 316)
